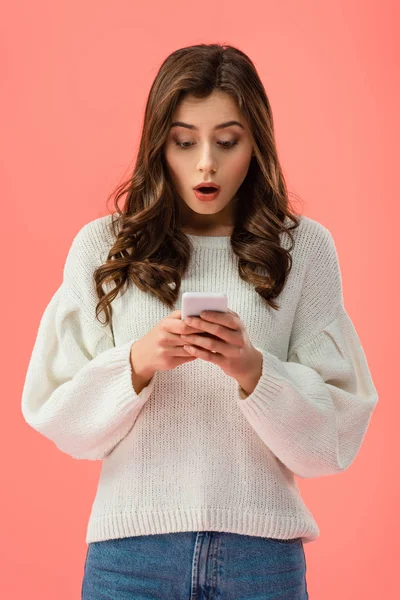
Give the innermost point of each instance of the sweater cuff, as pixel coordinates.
(122, 363)
(270, 384)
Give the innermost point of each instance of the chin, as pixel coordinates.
(208, 208)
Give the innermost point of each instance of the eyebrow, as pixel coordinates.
(220, 126)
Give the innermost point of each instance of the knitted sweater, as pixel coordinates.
(189, 452)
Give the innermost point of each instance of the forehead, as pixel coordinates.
(207, 112)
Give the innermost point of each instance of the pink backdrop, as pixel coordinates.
(75, 77)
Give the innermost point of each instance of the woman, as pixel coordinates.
(201, 426)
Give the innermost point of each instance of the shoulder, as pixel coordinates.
(88, 250)
(313, 241)
(312, 231)
(92, 242)
(94, 236)
(322, 273)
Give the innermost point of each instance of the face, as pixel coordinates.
(198, 151)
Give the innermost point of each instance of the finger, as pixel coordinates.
(177, 327)
(186, 329)
(220, 331)
(177, 316)
(229, 319)
(213, 357)
(174, 325)
(210, 344)
(181, 353)
(175, 339)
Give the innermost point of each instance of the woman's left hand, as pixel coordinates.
(228, 346)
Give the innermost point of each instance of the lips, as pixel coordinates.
(207, 187)
(206, 194)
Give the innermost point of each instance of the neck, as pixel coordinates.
(221, 231)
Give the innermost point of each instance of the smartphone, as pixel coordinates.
(193, 303)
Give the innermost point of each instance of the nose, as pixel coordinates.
(207, 162)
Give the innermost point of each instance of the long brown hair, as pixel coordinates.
(150, 249)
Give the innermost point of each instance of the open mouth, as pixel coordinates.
(207, 190)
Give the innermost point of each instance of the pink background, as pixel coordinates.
(75, 78)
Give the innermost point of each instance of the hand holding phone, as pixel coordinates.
(161, 349)
(232, 351)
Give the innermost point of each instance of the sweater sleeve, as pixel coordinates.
(78, 388)
(313, 410)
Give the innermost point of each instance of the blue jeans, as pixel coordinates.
(195, 565)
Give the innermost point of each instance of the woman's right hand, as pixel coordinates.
(161, 349)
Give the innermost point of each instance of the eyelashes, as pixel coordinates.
(224, 145)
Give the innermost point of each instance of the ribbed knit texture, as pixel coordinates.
(189, 453)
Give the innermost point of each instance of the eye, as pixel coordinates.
(226, 145)
(181, 145)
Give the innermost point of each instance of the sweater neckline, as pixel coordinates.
(209, 241)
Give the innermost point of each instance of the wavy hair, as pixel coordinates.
(150, 249)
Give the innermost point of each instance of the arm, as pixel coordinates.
(79, 389)
(313, 410)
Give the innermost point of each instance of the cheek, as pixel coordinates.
(239, 166)
(174, 167)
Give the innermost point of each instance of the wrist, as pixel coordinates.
(248, 382)
(139, 370)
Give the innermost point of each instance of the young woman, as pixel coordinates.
(202, 426)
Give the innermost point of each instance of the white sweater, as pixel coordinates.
(189, 453)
